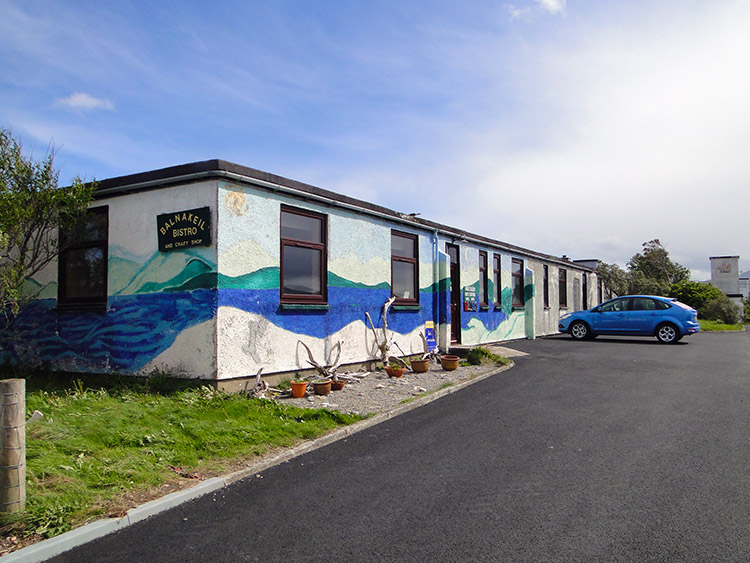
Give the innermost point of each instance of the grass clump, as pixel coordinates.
(477, 356)
(716, 326)
(96, 448)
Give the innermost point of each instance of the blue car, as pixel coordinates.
(634, 315)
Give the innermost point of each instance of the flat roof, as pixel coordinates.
(217, 168)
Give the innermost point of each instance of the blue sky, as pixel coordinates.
(582, 127)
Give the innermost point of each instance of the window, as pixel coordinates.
(304, 268)
(563, 284)
(404, 268)
(616, 306)
(497, 279)
(516, 271)
(483, 280)
(546, 287)
(82, 264)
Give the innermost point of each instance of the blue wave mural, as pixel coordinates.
(133, 331)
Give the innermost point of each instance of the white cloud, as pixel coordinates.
(552, 6)
(80, 101)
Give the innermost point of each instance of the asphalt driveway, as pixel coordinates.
(610, 450)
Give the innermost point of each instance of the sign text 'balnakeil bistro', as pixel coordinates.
(184, 229)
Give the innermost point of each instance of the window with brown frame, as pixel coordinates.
(304, 256)
(563, 286)
(516, 270)
(483, 280)
(404, 268)
(497, 279)
(82, 262)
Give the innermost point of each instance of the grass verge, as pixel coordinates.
(715, 326)
(99, 451)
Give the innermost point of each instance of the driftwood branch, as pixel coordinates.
(433, 355)
(327, 371)
(384, 344)
(261, 387)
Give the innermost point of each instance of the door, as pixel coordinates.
(612, 317)
(455, 275)
(644, 315)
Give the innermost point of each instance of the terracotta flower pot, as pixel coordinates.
(322, 387)
(420, 366)
(299, 388)
(395, 372)
(449, 362)
(337, 385)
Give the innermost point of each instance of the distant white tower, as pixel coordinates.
(725, 274)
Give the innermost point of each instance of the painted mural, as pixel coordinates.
(150, 303)
(215, 312)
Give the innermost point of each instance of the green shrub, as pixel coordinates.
(695, 294)
(721, 309)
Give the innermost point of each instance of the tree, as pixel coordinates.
(652, 271)
(613, 278)
(33, 209)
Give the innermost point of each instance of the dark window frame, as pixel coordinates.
(413, 261)
(519, 299)
(497, 268)
(88, 302)
(320, 298)
(546, 286)
(563, 287)
(484, 282)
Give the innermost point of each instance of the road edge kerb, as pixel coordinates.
(46, 549)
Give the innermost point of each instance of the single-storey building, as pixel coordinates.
(213, 270)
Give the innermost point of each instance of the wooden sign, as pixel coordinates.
(184, 229)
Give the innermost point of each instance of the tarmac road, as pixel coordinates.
(610, 450)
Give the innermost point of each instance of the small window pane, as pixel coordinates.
(402, 246)
(301, 227)
(302, 270)
(85, 273)
(403, 280)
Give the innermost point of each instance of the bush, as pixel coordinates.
(721, 309)
(695, 294)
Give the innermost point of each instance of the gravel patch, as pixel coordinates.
(377, 393)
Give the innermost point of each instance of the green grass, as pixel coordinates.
(477, 356)
(713, 326)
(96, 448)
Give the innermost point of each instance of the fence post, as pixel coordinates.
(12, 445)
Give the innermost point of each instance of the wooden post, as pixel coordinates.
(12, 445)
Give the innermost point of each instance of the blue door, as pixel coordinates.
(644, 314)
(612, 316)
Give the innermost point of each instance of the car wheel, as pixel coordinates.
(668, 333)
(580, 330)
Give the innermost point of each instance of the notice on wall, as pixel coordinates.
(184, 229)
(470, 298)
(429, 335)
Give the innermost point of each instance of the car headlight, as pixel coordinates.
(565, 316)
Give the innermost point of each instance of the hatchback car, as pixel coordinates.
(634, 315)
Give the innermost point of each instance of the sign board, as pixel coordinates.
(184, 229)
(470, 298)
(429, 334)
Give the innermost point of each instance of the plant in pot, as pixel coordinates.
(395, 367)
(322, 386)
(299, 387)
(420, 365)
